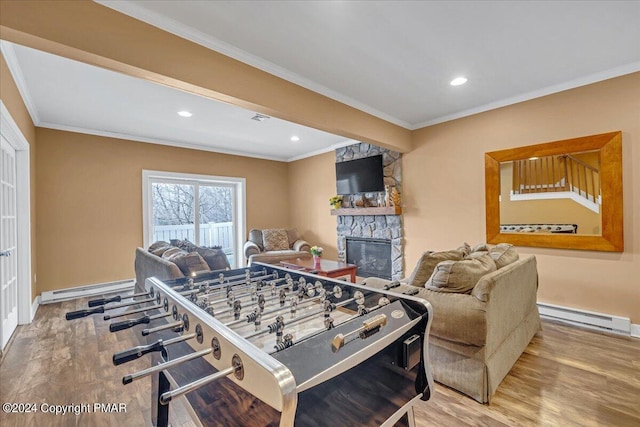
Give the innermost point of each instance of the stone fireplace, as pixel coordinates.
(375, 228)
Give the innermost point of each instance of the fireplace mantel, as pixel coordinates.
(389, 210)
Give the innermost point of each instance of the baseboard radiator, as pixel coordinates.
(587, 319)
(86, 291)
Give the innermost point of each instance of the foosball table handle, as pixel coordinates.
(83, 313)
(136, 352)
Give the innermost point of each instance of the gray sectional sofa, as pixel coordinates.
(176, 259)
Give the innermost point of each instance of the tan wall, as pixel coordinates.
(444, 188)
(90, 201)
(13, 101)
(312, 182)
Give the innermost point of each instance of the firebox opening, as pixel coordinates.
(372, 256)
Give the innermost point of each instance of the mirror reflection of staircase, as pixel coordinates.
(571, 176)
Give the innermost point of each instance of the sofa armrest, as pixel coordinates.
(250, 248)
(149, 265)
(510, 296)
(301, 246)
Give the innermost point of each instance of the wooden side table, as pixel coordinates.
(327, 268)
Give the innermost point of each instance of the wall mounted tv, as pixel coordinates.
(360, 176)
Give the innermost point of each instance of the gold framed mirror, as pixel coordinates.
(588, 168)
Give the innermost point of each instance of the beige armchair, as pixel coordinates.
(275, 245)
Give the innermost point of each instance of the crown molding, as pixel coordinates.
(158, 141)
(16, 72)
(549, 90)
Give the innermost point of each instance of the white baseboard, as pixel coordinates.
(588, 319)
(635, 330)
(34, 307)
(86, 291)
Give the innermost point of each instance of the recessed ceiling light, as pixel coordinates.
(295, 138)
(458, 81)
(184, 113)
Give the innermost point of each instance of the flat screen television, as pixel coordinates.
(360, 176)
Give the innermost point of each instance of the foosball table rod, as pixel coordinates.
(130, 312)
(117, 298)
(236, 368)
(128, 379)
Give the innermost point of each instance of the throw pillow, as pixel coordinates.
(214, 257)
(480, 247)
(427, 263)
(157, 245)
(275, 239)
(159, 250)
(504, 254)
(184, 244)
(171, 252)
(465, 249)
(460, 276)
(190, 263)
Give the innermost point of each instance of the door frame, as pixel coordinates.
(240, 203)
(13, 134)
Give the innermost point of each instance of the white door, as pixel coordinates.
(8, 246)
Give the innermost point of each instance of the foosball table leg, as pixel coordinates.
(411, 419)
(163, 410)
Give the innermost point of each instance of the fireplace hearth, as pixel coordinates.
(372, 256)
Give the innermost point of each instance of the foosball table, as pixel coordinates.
(267, 346)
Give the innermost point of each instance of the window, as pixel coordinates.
(206, 210)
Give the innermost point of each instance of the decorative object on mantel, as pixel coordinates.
(316, 251)
(363, 202)
(387, 195)
(336, 202)
(380, 200)
(394, 197)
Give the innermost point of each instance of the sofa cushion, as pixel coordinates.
(427, 263)
(460, 276)
(504, 254)
(214, 257)
(275, 239)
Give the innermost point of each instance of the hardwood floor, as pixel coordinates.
(567, 377)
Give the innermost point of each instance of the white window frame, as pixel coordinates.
(239, 203)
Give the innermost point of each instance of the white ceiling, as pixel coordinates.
(392, 59)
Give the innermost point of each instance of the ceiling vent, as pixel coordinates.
(260, 117)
